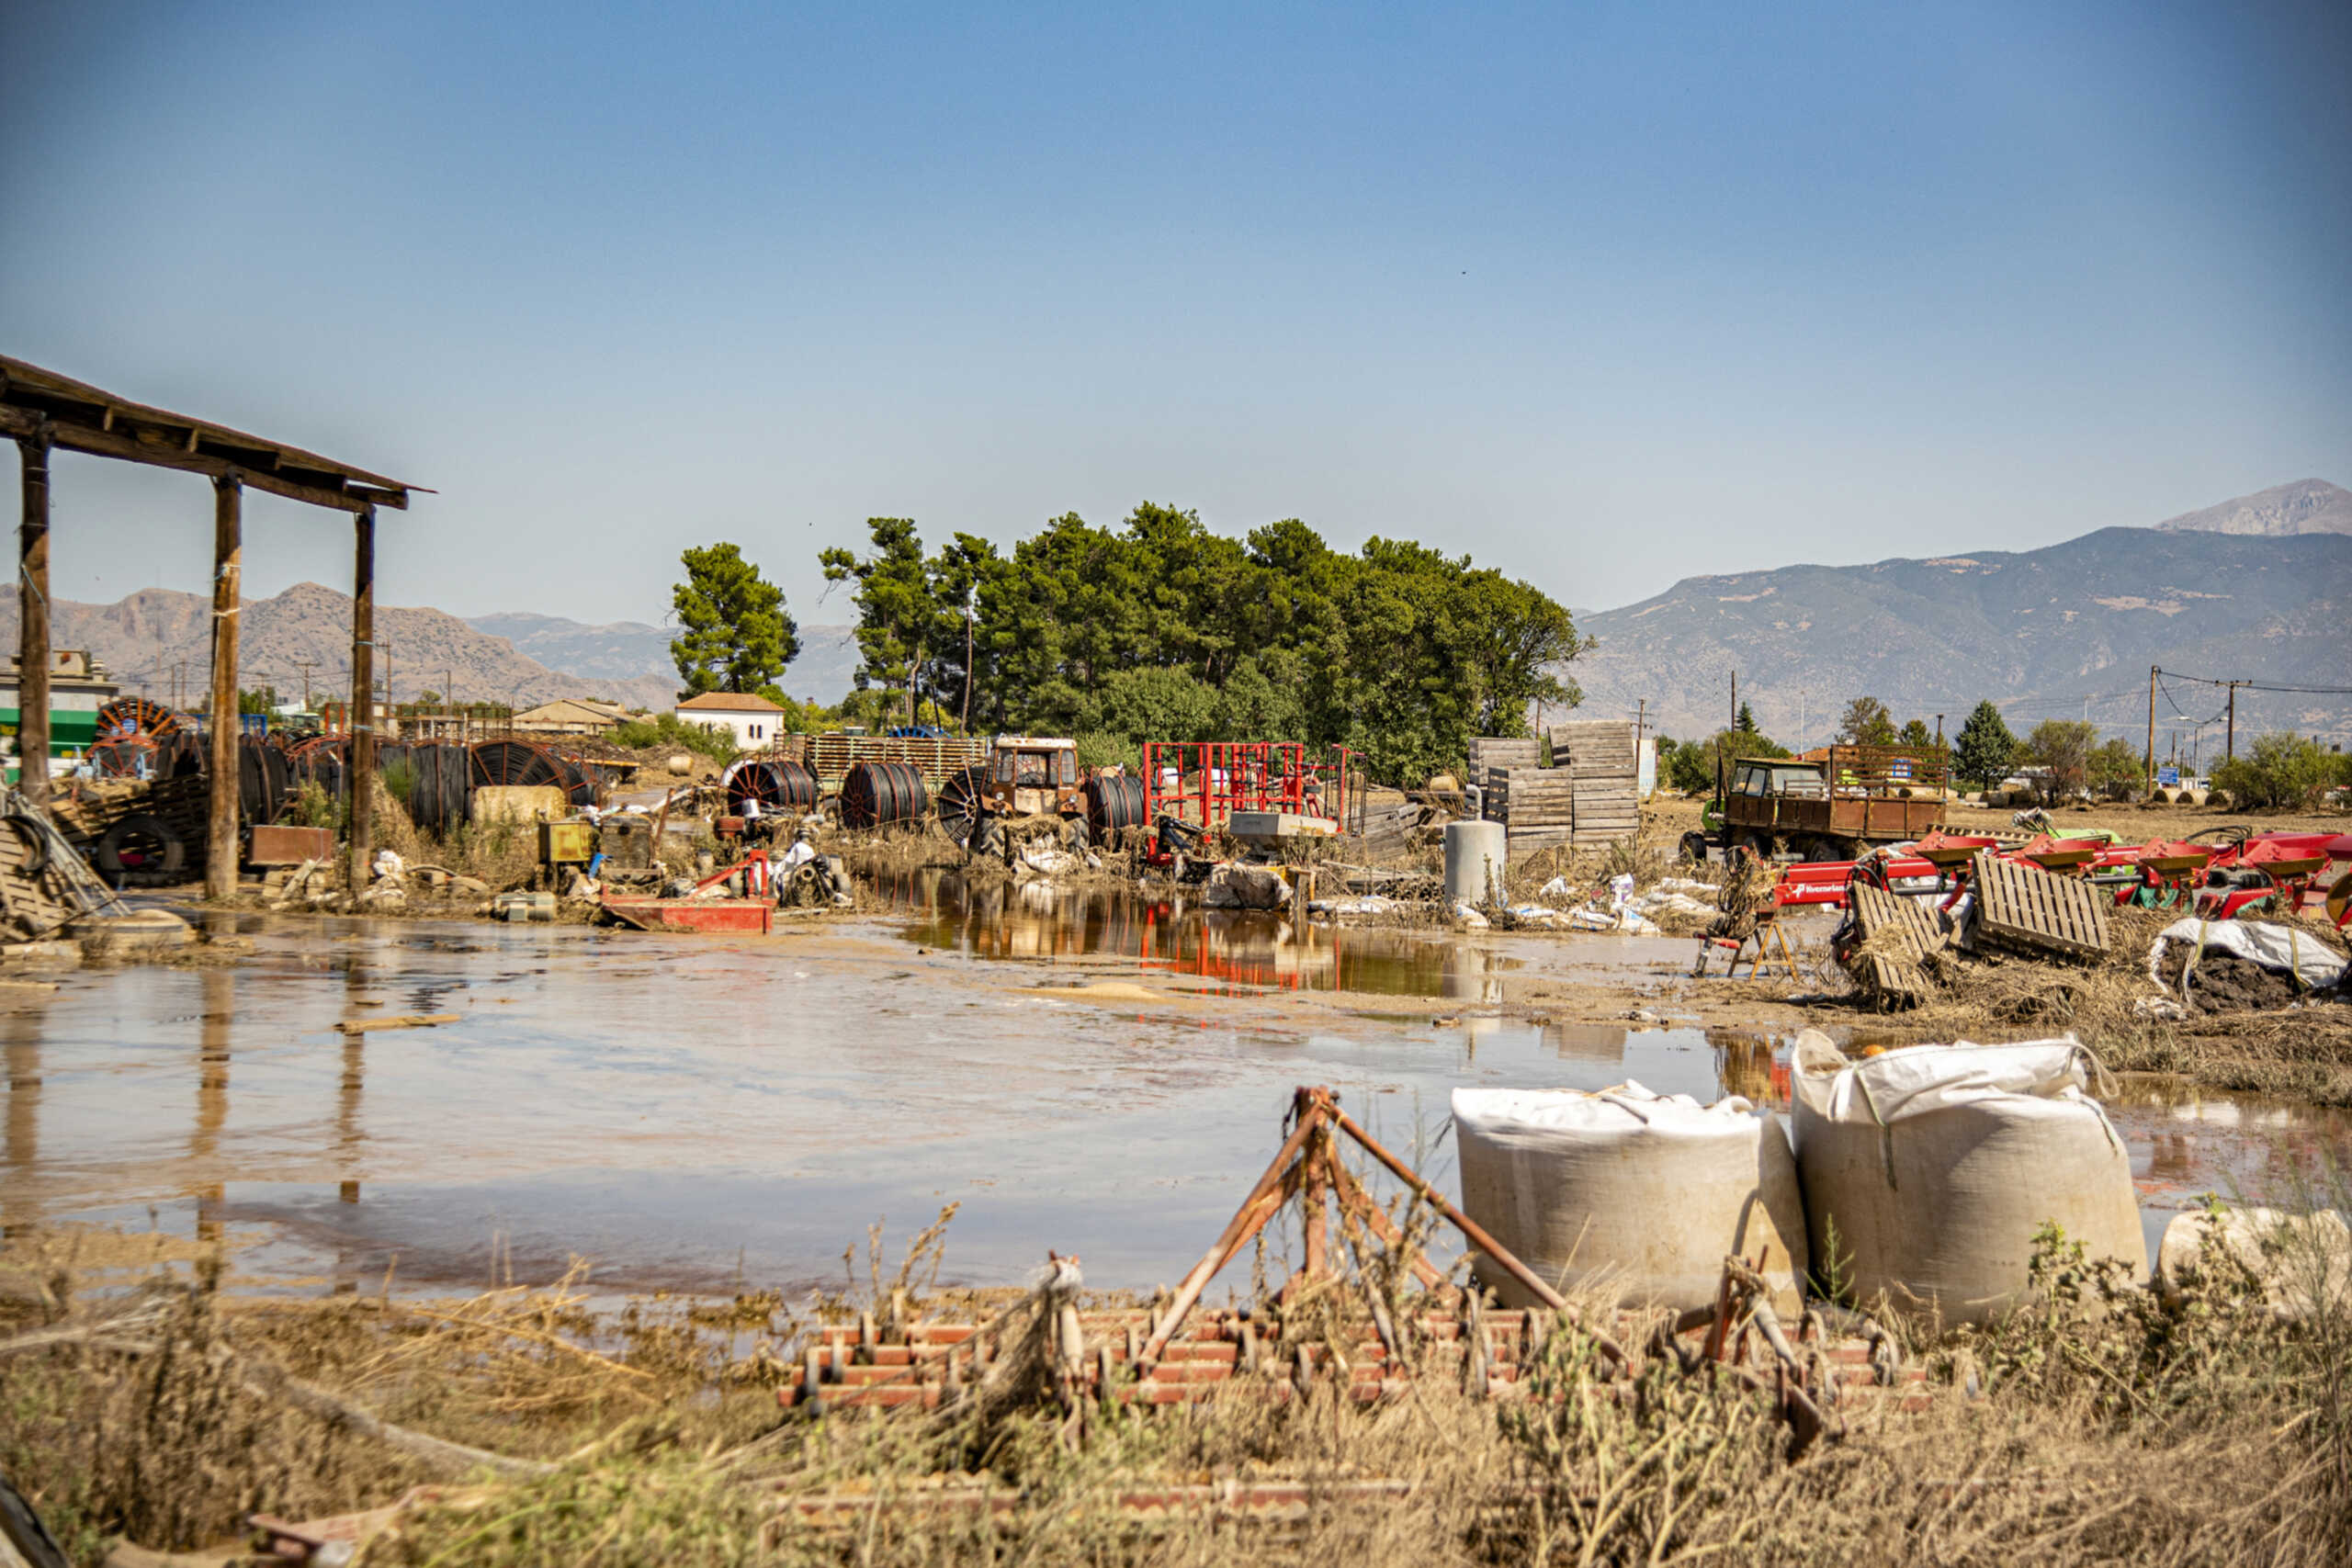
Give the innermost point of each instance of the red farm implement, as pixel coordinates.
(1203, 782)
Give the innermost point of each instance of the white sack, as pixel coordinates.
(1937, 1164)
(1639, 1193)
(2282, 948)
(2302, 1260)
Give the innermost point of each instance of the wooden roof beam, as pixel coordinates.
(160, 448)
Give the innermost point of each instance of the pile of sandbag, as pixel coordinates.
(1927, 1171)
(1638, 1194)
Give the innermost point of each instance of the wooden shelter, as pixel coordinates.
(42, 412)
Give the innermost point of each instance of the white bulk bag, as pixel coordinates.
(1638, 1194)
(1937, 1164)
(2300, 1261)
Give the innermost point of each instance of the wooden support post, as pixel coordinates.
(1312, 1204)
(228, 580)
(361, 772)
(32, 623)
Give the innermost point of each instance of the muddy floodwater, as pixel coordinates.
(1097, 1073)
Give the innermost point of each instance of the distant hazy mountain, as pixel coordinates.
(158, 641)
(631, 651)
(2066, 632)
(2307, 506)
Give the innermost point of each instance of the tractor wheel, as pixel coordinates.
(150, 837)
(1819, 850)
(1693, 848)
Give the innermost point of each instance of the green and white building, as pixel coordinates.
(78, 687)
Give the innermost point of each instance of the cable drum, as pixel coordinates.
(519, 763)
(262, 780)
(125, 757)
(777, 785)
(963, 793)
(875, 795)
(1113, 803)
(441, 786)
(319, 760)
(136, 715)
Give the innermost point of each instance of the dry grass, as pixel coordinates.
(2100, 1427)
(2303, 1052)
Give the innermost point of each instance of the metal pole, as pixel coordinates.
(228, 575)
(2229, 750)
(32, 625)
(2152, 730)
(361, 771)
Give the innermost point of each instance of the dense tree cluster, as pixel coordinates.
(1160, 629)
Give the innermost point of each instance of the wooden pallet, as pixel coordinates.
(1888, 918)
(2022, 906)
(1535, 797)
(32, 906)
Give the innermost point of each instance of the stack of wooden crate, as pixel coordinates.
(1601, 759)
(1538, 809)
(1490, 756)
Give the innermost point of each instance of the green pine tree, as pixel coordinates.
(1985, 750)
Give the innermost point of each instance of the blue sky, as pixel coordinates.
(1604, 295)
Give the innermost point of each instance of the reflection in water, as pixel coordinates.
(21, 1215)
(687, 1110)
(1237, 951)
(2245, 1147)
(211, 1098)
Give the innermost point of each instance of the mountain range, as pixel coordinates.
(158, 642)
(2307, 506)
(2255, 590)
(627, 650)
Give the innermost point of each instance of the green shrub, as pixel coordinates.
(2282, 770)
(713, 740)
(1101, 749)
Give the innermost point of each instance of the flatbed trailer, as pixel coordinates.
(1832, 809)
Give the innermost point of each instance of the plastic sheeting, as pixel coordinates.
(1629, 1190)
(1935, 1165)
(2282, 948)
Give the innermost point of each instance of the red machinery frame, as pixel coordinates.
(1217, 778)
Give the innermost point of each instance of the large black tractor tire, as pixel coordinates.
(168, 855)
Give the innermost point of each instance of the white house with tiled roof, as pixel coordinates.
(756, 720)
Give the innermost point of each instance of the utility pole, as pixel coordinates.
(306, 665)
(2152, 730)
(2230, 744)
